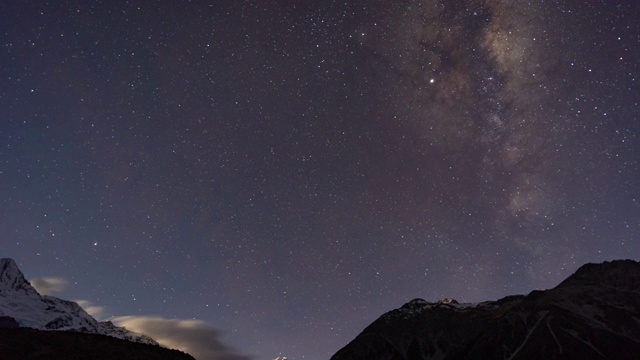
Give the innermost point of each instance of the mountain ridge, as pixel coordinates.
(31, 344)
(12, 278)
(594, 313)
(22, 302)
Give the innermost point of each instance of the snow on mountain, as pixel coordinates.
(19, 300)
(12, 279)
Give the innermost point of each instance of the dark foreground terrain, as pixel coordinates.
(31, 344)
(593, 314)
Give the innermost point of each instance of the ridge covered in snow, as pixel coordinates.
(21, 301)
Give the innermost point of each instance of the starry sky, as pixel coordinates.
(284, 172)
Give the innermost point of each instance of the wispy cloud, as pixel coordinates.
(195, 337)
(49, 285)
(97, 312)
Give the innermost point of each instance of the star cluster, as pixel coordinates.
(289, 171)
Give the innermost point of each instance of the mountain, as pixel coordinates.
(20, 301)
(32, 344)
(593, 314)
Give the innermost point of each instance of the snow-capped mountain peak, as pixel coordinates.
(12, 279)
(21, 301)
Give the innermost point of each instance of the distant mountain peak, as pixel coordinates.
(9, 271)
(448, 301)
(11, 278)
(20, 301)
(419, 303)
(624, 274)
(8, 261)
(592, 314)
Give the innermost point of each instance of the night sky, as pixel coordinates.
(284, 172)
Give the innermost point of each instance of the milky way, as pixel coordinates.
(285, 173)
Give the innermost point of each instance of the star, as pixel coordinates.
(297, 163)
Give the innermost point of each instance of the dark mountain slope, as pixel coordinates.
(32, 344)
(593, 314)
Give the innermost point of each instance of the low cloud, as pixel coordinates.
(49, 285)
(97, 312)
(195, 337)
